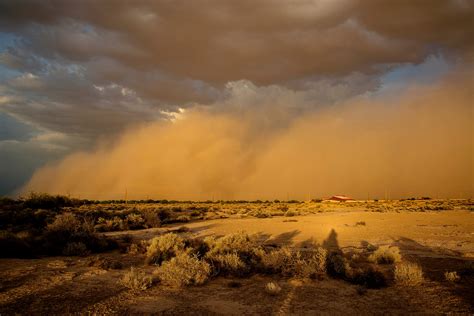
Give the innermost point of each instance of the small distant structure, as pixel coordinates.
(340, 198)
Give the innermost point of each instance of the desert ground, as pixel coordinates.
(436, 235)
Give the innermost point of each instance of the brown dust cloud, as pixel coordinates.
(415, 143)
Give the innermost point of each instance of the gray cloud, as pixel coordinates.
(88, 70)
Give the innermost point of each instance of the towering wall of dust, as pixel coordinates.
(419, 143)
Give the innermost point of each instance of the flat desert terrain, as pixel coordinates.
(437, 241)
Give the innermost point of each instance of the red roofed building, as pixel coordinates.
(340, 198)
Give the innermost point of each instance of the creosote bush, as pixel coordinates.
(233, 253)
(163, 248)
(407, 273)
(137, 280)
(272, 288)
(451, 276)
(336, 265)
(183, 270)
(290, 262)
(69, 236)
(385, 255)
(229, 263)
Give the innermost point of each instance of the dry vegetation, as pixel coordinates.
(41, 225)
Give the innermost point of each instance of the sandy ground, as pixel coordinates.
(424, 233)
(439, 241)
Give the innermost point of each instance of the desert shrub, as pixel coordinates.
(151, 218)
(136, 280)
(183, 270)
(46, 201)
(65, 222)
(164, 215)
(261, 214)
(386, 255)
(240, 243)
(310, 264)
(196, 246)
(291, 213)
(75, 249)
(272, 288)
(163, 248)
(225, 250)
(451, 276)
(276, 261)
(295, 263)
(135, 221)
(114, 224)
(105, 263)
(229, 263)
(13, 247)
(370, 277)
(407, 273)
(66, 228)
(183, 218)
(336, 265)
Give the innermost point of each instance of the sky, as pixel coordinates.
(241, 99)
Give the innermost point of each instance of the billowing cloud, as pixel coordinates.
(92, 70)
(419, 143)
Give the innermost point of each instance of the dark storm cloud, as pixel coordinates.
(174, 53)
(83, 70)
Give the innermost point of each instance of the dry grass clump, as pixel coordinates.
(136, 280)
(228, 263)
(277, 261)
(163, 248)
(240, 242)
(272, 288)
(233, 253)
(386, 255)
(452, 276)
(183, 270)
(407, 273)
(336, 265)
(290, 262)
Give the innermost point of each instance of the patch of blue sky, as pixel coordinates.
(425, 73)
(7, 40)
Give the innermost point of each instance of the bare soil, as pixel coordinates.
(438, 241)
